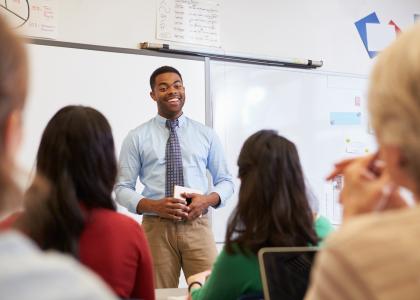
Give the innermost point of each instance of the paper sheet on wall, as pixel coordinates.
(189, 21)
(35, 18)
(380, 36)
(345, 118)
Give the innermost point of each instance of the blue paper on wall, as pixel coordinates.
(361, 28)
(345, 118)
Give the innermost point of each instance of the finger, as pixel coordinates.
(344, 162)
(336, 172)
(195, 208)
(374, 170)
(366, 174)
(379, 164)
(176, 200)
(171, 217)
(191, 217)
(180, 213)
(367, 160)
(361, 166)
(175, 205)
(191, 195)
(195, 213)
(341, 166)
(178, 206)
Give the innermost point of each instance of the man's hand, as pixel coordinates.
(200, 203)
(169, 208)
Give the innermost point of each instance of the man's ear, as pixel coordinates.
(152, 95)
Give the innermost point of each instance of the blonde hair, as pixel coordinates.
(13, 89)
(394, 98)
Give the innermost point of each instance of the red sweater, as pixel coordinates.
(114, 246)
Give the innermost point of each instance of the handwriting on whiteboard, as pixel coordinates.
(189, 21)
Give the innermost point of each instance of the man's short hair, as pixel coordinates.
(161, 70)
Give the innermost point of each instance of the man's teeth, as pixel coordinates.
(173, 100)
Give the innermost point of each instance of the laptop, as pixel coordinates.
(285, 271)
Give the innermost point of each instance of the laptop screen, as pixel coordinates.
(285, 271)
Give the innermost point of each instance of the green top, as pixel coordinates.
(323, 227)
(239, 274)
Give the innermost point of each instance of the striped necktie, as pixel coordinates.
(174, 174)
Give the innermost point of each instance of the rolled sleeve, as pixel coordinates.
(129, 168)
(217, 166)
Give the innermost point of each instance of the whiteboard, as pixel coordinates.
(115, 83)
(298, 104)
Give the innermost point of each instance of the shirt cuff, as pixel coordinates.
(224, 192)
(129, 199)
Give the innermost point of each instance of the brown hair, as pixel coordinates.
(13, 89)
(77, 157)
(273, 208)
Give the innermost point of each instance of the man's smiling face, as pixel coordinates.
(169, 94)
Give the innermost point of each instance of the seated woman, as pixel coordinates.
(25, 271)
(272, 211)
(375, 255)
(77, 156)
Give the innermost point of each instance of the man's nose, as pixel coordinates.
(172, 90)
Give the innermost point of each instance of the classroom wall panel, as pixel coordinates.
(115, 83)
(323, 113)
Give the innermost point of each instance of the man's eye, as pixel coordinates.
(162, 89)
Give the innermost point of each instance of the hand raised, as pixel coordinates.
(365, 191)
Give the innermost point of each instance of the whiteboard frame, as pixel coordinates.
(208, 115)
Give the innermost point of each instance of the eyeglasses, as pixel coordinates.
(165, 87)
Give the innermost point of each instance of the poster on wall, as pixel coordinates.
(33, 18)
(189, 21)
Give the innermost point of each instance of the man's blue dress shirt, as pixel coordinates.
(143, 155)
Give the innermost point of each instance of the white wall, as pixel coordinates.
(320, 30)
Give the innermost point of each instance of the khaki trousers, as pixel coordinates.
(174, 245)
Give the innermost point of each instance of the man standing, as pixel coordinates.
(169, 150)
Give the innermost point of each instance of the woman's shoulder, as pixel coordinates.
(47, 269)
(107, 227)
(323, 226)
(236, 254)
(111, 219)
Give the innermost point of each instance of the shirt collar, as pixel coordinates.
(161, 120)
